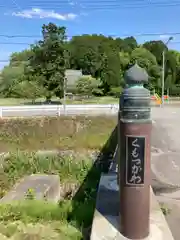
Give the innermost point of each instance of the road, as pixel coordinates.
(165, 163)
(166, 145)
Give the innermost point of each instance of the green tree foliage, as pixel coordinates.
(39, 71)
(10, 76)
(176, 56)
(126, 45)
(86, 85)
(147, 60)
(143, 57)
(47, 62)
(20, 58)
(156, 48)
(98, 56)
(26, 89)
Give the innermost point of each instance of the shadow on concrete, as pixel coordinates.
(84, 201)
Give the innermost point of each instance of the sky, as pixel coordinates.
(119, 18)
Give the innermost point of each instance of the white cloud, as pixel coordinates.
(40, 13)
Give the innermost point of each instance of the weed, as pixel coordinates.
(165, 209)
(55, 133)
(75, 214)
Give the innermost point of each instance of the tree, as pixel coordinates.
(10, 76)
(147, 60)
(20, 58)
(96, 55)
(156, 48)
(170, 69)
(27, 89)
(124, 60)
(85, 85)
(47, 63)
(84, 51)
(103, 57)
(126, 45)
(110, 71)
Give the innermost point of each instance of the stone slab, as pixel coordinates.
(106, 216)
(44, 187)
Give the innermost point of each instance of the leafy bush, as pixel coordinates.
(86, 84)
(174, 90)
(116, 92)
(98, 92)
(30, 90)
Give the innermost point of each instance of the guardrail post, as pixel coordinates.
(59, 110)
(1, 112)
(134, 142)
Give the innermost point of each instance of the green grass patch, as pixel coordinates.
(75, 133)
(72, 217)
(95, 100)
(17, 165)
(30, 219)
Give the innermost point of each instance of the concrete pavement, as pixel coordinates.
(106, 220)
(166, 146)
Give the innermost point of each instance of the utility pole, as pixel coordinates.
(66, 57)
(64, 100)
(163, 69)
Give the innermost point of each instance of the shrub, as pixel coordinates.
(116, 92)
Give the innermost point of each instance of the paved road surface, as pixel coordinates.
(166, 145)
(165, 163)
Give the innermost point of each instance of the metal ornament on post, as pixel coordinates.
(134, 146)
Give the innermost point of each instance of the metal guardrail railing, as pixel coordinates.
(57, 110)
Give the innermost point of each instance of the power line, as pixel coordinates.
(20, 36)
(14, 43)
(110, 35)
(102, 5)
(16, 4)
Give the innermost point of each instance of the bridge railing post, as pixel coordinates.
(134, 149)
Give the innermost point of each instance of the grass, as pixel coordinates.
(18, 165)
(63, 133)
(72, 217)
(94, 100)
(165, 209)
(35, 220)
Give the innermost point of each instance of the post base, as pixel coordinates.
(106, 217)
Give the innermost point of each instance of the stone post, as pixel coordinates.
(135, 148)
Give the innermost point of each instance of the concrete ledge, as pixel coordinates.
(44, 187)
(106, 216)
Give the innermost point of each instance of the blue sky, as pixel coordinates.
(109, 17)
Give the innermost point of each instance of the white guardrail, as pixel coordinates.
(57, 110)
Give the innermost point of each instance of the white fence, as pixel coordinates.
(57, 110)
